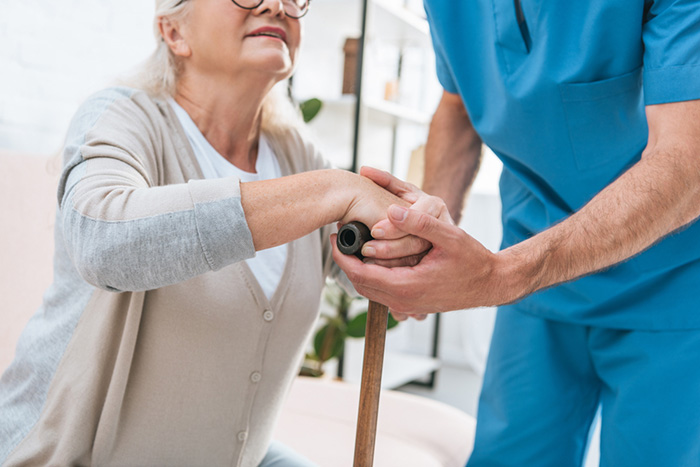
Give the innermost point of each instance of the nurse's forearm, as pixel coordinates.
(281, 210)
(452, 154)
(657, 196)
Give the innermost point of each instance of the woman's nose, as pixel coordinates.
(274, 7)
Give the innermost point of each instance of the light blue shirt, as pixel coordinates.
(558, 92)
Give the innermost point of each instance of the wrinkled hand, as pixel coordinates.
(393, 247)
(457, 273)
(367, 202)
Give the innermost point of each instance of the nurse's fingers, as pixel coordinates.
(430, 205)
(404, 316)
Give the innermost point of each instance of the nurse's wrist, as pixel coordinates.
(519, 273)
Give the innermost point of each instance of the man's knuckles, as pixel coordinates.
(423, 224)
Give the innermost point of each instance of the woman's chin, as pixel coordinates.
(274, 67)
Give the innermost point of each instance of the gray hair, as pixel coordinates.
(158, 76)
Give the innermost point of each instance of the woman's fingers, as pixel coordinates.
(404, 190)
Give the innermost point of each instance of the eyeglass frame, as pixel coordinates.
(308, 3)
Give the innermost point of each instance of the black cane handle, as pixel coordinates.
(351, 237)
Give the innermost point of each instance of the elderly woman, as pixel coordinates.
(165, 339)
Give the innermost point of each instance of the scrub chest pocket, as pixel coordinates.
(613, 111)
(606, 120)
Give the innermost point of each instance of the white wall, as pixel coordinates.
(53, 54)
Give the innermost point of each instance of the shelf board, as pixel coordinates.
(399, 369)
(398, 24)
(394, 112)
(378, 111)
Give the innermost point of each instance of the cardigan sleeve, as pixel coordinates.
(123, 229)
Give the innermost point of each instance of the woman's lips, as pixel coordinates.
(270, 31)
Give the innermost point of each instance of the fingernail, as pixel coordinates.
(378, 233)
(368, 251)
(397, 212)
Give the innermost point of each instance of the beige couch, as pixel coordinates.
(319, 416)
(27, 208)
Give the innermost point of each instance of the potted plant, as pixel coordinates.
(329, 340)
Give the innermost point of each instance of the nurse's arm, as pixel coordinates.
(452, 154)
(655, 197)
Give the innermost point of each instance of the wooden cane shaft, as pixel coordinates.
(375, 337)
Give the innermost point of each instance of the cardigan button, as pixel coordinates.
(268, 315)
(255, 377)
(242, 436)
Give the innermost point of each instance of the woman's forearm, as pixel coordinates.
(281, 210)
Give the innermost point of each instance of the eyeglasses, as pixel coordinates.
(292, 8)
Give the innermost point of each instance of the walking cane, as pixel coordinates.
(350, 239)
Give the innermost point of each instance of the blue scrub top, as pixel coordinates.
(557, 90)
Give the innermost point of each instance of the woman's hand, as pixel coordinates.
(283, 209)
(391, 246)
(367, 202)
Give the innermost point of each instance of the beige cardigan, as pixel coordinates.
(156, 345)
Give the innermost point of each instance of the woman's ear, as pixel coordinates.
(170, 32)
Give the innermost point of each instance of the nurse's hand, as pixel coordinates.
(457, 273)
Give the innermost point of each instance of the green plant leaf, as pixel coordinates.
(310, 108)
(357, 325)
(329, 342)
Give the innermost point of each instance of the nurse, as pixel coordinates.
(593, 109)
